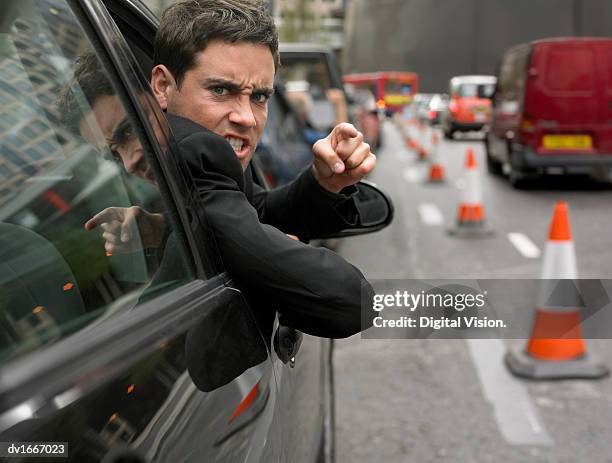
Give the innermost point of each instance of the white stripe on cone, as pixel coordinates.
(472, 193)
(559, 260)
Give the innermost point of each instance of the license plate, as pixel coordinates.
(480, 117)
(567, 142)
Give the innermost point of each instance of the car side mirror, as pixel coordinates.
(375, 209)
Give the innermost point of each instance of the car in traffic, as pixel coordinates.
(420, 106)
(551, 109)
(394, 91)
(317, 65)
(438, 105)
(367, 114)
(150, 355)
(469, 108)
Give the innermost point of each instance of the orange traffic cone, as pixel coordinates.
(421, 150)
(436, 169)
(470, 214)
(407, 135)
(556, 349)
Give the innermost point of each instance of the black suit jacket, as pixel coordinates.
(313, 289)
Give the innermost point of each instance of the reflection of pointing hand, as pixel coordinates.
(342, 158)
(128, 229)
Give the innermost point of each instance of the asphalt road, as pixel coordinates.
(453, 400)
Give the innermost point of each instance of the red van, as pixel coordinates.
(552, 109)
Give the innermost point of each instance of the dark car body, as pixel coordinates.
(282, 152)
(552, 107)
(148, 356)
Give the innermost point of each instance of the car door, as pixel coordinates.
(114, 349)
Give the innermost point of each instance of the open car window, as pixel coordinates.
(84, 231)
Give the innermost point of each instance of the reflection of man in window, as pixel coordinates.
(106, 127)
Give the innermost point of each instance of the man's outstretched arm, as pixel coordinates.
(314, 289)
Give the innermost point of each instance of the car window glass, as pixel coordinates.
(312, 70)
(512, 74)
(394, 86)
(69, 153)
(468, 90)
(486, 90)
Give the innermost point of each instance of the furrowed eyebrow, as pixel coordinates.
(229, 84)
(122, 132)
(233, 86)
(267, 91)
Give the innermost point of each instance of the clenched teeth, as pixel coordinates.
(236, 143)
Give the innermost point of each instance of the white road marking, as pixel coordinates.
(524, 245)
(430, 214)
(516, 417)
(412, 174)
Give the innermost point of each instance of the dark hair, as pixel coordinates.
(188, 25)
(88, 81)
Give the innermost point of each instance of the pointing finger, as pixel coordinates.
(344, 131)
(106, 215)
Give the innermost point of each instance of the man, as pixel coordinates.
(215, 65)
(314, 290)
(215, 62)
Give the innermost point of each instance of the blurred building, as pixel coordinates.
(29, 144)
(320, 21)
(442, 38)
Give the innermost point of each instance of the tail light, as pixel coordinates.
(453, 107)
(527, 124)
(431, 114)
(380, 104)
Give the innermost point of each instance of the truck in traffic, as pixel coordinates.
(552, 109)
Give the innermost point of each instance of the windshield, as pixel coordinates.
(476, 90)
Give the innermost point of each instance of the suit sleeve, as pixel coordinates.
(313, 289)
(304, 208)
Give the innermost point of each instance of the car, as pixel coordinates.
(469, 108)
(420, 106)
(104, 356)
(551, 111)
(367, 114)
(317, 65)
(438, 105)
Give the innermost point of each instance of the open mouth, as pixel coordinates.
(239, 145)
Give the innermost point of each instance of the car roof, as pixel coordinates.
(572, 40)
(558, 40)
(475, 79)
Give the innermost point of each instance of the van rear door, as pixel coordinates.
(605, 61)
(567, 101)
